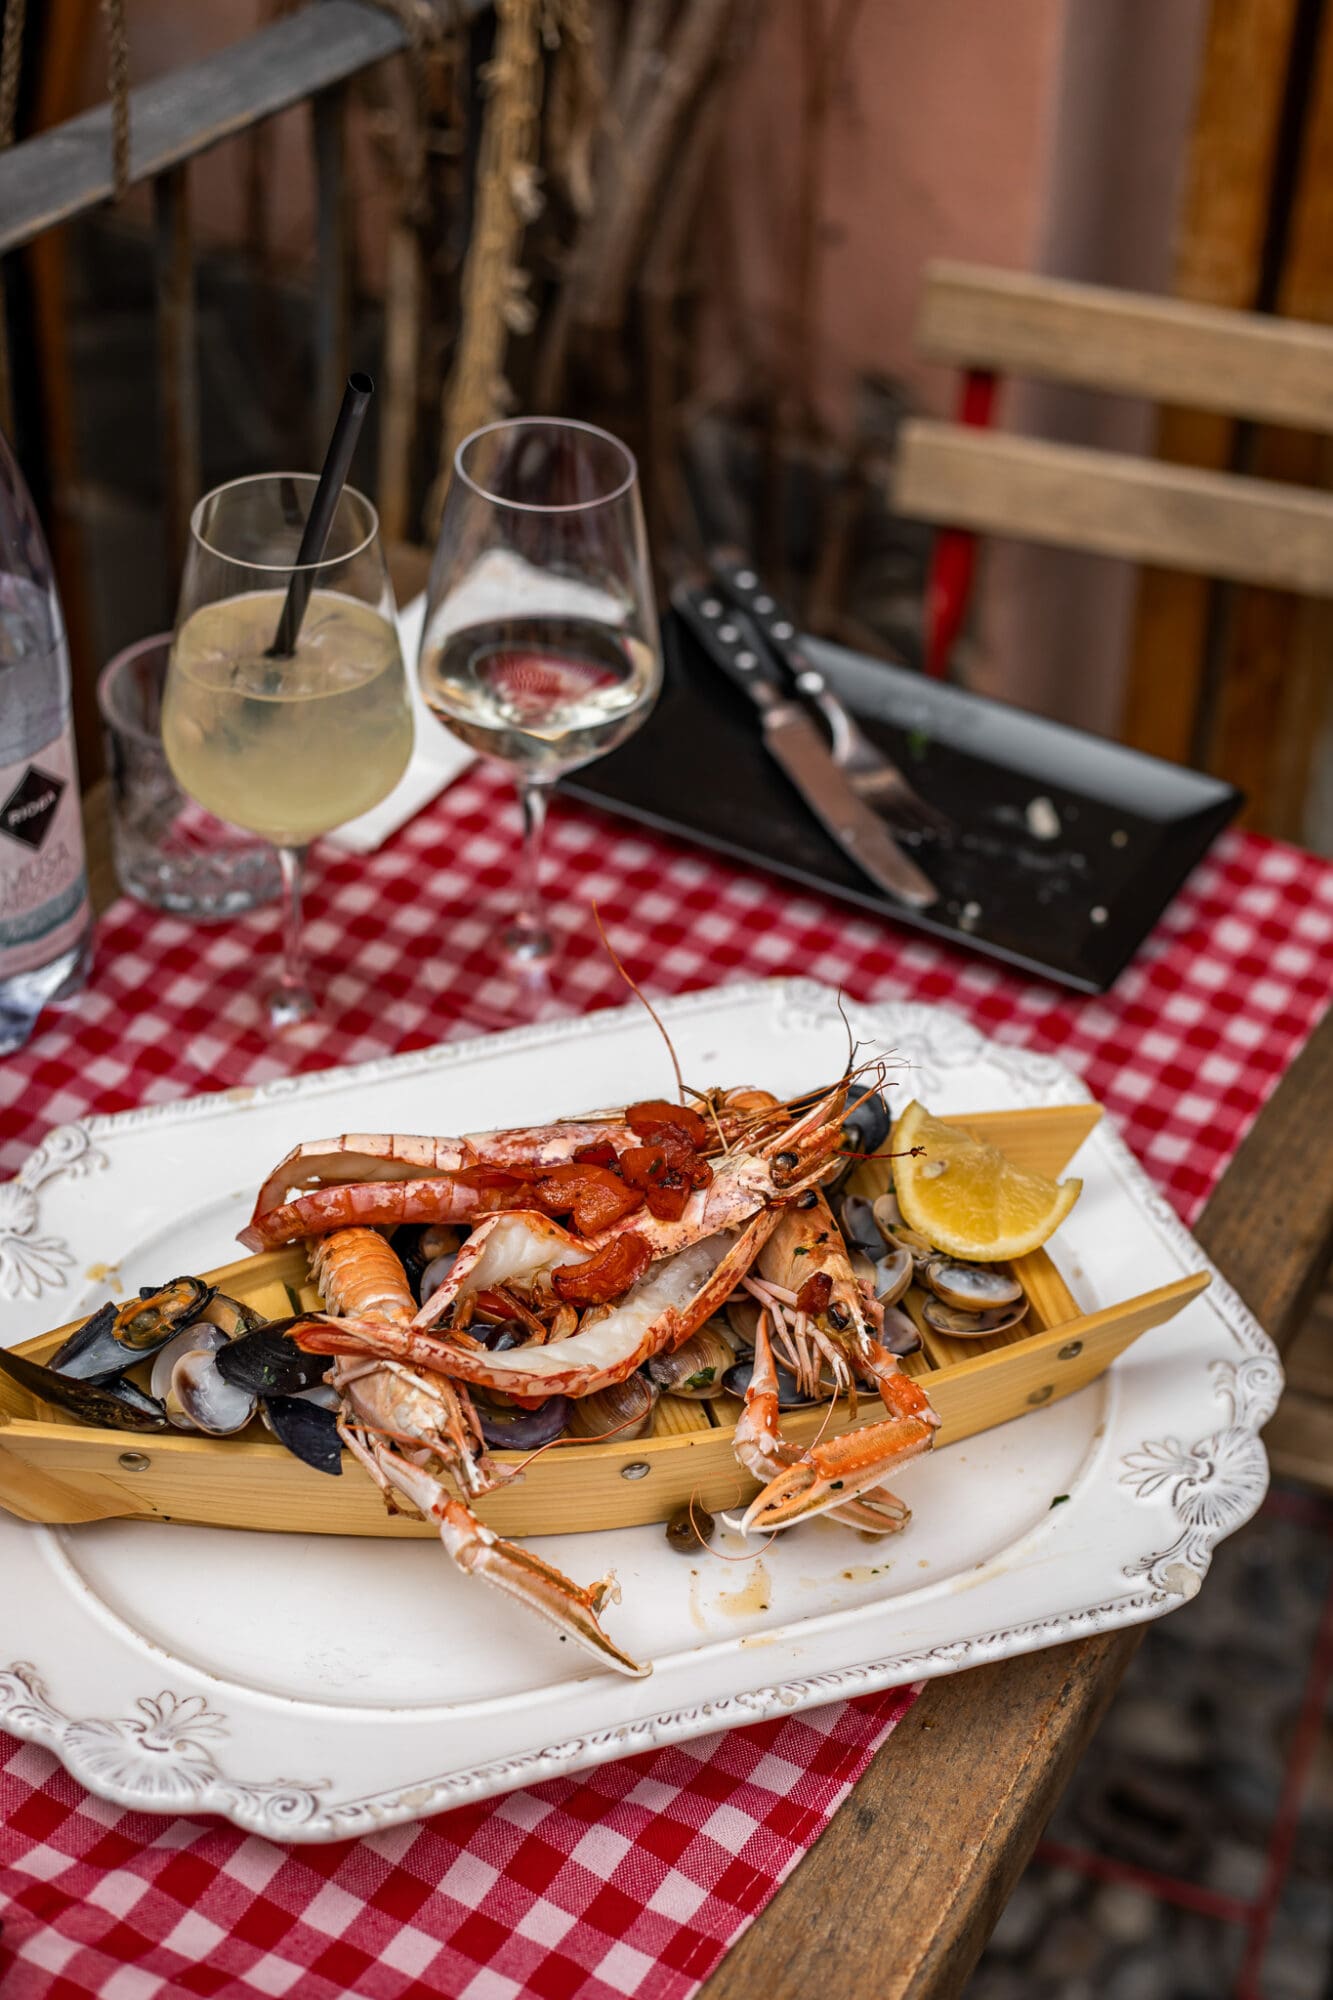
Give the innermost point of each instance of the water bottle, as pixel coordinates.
(46, 921)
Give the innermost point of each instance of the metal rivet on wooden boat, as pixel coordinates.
(1070, 1351)
(134, 1461)
(639, 1470)
(1042, 1395)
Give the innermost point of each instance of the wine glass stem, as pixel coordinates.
(292, 999)
(527, 937)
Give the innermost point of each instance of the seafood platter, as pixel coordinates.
(808, 1482)
(723, 1303)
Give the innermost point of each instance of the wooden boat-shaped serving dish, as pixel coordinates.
(52, 1470)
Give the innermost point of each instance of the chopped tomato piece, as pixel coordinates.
(607, 1273)
(647, 1119)
(592, 1197)
(815, 1293)
(600, 1154)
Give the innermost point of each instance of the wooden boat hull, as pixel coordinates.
(53, 1470)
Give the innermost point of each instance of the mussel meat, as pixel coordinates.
(117, 1405)
(972, 1288)
(202, 1399)
(202, 1337)
(507, 1428)
(118, 1336)
(308, 1429)
(696, 1368)
(970, 1326)
(268, 1361)
(618, 1414)
(150, 1320)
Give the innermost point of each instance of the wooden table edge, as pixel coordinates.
(897, 1898)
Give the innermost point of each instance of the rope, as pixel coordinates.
(118, 83)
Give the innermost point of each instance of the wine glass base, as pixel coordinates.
(290, 1007)
(527, 945)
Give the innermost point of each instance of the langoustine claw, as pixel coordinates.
(408, 1427)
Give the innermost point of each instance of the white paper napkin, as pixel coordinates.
(437, 757)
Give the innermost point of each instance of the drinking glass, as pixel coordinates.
(540, 645)
(287, 747)
(169, 853)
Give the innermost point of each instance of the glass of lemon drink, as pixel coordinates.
(285, 725)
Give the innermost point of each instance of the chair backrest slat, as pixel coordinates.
(1216, 524)
(1167, 350)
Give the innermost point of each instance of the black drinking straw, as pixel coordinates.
(337, 462)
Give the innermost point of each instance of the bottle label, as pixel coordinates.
(43, 888)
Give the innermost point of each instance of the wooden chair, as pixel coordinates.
(971, 481)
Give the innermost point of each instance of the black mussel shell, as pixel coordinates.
(308, 1430)
(148, 1322)
(737, 1381)
(407, 1244)
(503, 1335)
(865, 1131)
(118, 1405)
(230, 1316)
(512, 1429)
(268, 1361)
(92, 1353)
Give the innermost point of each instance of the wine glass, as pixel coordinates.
(286, 746)
(540, 644)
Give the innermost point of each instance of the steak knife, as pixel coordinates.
(793, 741)
(875, 777)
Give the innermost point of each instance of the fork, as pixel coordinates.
(872, 775)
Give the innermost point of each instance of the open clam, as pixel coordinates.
(696, 1368)
(968, 1325)
(972, 1288)
(201, 1398)
(202, 1337)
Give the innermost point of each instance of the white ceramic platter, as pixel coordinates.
(314, 1687)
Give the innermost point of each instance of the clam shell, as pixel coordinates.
(202, 1337)
(970, 1326)
(972, 1288)
(205, 1399)
(625, 1409)
(856, 1217)
(696, 1368)
(901, 1334)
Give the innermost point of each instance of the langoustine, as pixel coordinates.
(408, 1428)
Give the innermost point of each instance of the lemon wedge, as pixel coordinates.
(967, 1198)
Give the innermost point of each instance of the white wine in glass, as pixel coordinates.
(287, 745)
(540, 645)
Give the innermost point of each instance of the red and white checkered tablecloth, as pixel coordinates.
(633, 1879)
